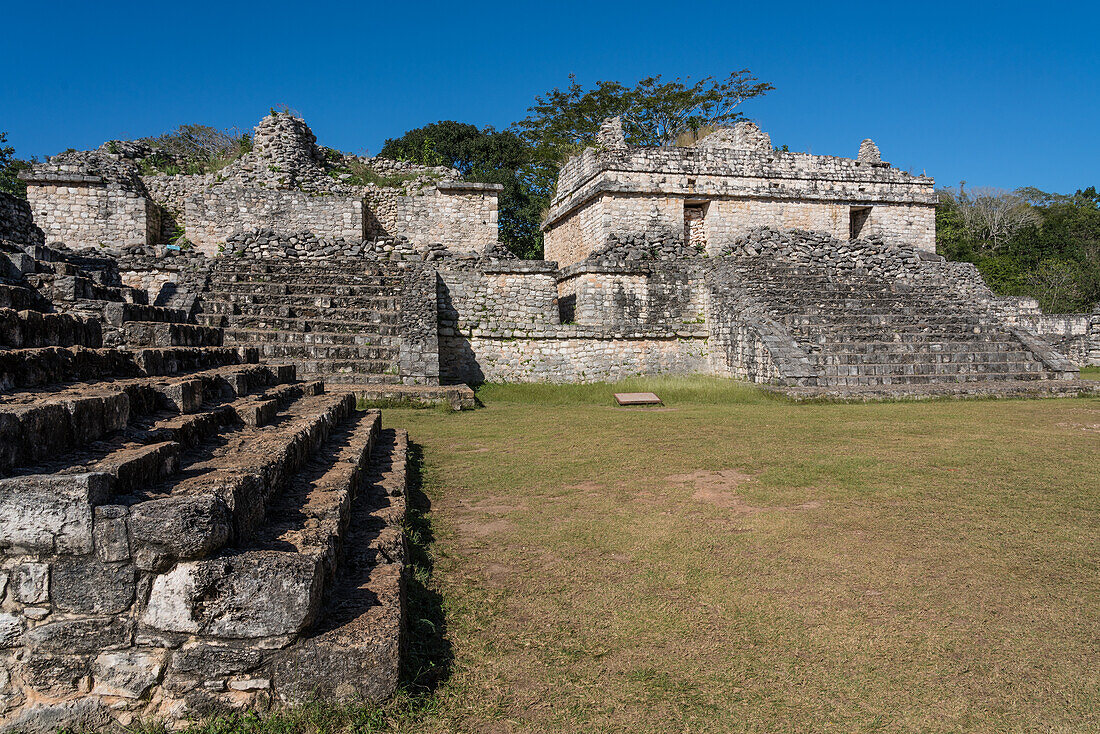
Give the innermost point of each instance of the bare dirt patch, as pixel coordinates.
(719, 488)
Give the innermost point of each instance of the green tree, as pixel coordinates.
(10, 166)
(489, 156)
(1053, 255)
(655, 112)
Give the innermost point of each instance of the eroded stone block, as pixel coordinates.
(85, 585)
(50, 514)
(127, 674)
(32, 582)
(255, 595)
(81, 635)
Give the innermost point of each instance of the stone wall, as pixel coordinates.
(212, 215)
(502, 323)
(17, 222)
(285, 183)
(90, 212)
(740, 182)
(1075, 335)
(460, 215)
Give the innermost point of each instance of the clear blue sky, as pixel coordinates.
(1001, 94)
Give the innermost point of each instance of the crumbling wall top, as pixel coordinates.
(745, 135)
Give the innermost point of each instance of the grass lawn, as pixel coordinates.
(734, 562)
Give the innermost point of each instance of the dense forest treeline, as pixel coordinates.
(1025, 243)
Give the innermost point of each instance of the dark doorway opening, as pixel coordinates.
(857, 219)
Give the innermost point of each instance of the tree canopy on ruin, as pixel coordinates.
(563, 122)
(489, 156)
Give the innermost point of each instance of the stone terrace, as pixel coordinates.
(183, 529)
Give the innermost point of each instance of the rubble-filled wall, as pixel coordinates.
(286, 183)
(733, 180)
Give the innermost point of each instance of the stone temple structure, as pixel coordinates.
(726, 184)
(194, 513)
(286, 183)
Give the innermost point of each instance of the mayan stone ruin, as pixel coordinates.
(194, 514)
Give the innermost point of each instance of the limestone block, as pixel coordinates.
(259, 594)
(127, 674)
(79, 715)
(85, 585)
(50, 514)
(112, 542)
(32, 583)
(11, 630)
(212, 661)
(55, 675)
(177, 528)
(90, 635)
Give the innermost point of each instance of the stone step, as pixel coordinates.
(157, 334)
(49, 423)
(379, 358)
(218, 301)
(957, 358)
(836, 346)
(327, 338)
(989, 370)
(19, 297)
(27, 329)
(858, 380)
(352, 379)
(298, 324)
(331, 370)
(358, 636)
(357, 271)
(297, 544)
(852, 317)
(117, 314)
(346, 315)
(78, 287)
(307, 289)
(222, 490)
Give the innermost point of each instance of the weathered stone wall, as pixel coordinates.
(92, 212)
(460, 215)
(17, 222)
(212, 215)
(742, 182)
(1075, 335)
(501, 323)
(286, 183)
(669, 294)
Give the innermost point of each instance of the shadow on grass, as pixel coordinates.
(428, 655)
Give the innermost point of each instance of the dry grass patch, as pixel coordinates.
(740, 563)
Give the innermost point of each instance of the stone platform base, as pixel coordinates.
(458, 397)
(964, 390)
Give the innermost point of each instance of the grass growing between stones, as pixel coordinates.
(734, 562)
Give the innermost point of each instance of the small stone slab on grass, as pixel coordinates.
(637, 398)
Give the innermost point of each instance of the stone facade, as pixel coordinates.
(727, 183)
(286, 183)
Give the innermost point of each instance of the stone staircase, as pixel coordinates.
(862, 330)
(62, 284)
(184, 529)
(331, 320)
